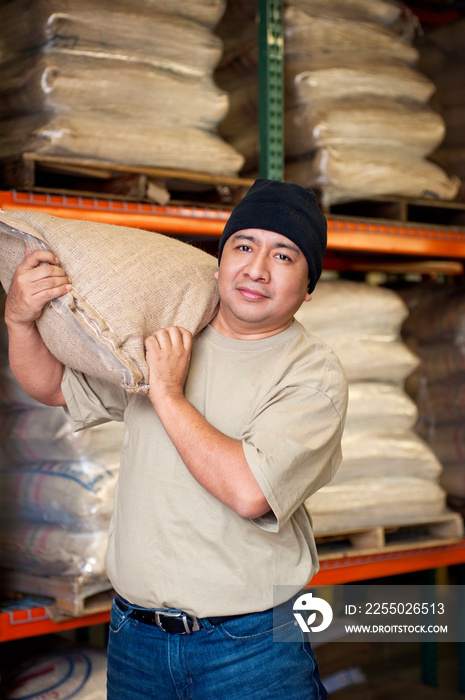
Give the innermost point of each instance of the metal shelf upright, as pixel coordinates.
(270, 89)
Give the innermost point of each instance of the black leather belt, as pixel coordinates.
(172, 622)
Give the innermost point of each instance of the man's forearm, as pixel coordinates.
(36, 369)
(214, 459)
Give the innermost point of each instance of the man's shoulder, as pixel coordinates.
(311, 346)
(313, 363)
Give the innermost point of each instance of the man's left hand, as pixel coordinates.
(168, 355)
(214, 459)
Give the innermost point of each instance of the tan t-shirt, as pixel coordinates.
(171, 543)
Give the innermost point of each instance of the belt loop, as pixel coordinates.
(195, 623)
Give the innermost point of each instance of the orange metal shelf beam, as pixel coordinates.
(395, 237)
(344, 234)
(170, 219)
(33, 622)
(360, 568)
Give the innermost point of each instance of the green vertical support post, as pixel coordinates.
(459, 572)
(429, 650)
(270, 88)
(429, 663)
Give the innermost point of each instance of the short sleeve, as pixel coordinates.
(90, 401)
(293, 448)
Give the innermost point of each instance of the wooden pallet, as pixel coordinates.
(384, 209)
(90, 177)
(73, 596)
(457, 504)
(59, 174)
(440, 530)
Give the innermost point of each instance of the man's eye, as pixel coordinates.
(281, 256)
(244, 247)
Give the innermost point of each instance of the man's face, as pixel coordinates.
(262, 281)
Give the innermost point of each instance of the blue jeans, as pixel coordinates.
(239, 659)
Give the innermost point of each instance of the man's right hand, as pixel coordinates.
(33, 285)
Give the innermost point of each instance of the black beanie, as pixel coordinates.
(287, 209)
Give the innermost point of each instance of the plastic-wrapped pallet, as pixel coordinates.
(56, 489)
(357, 116)
(435, 329)
(72, 673)
(48, 473)
(384, 460)
(128, 82)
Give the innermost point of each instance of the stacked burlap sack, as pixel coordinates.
(388, 474)
(435, 330)
(56, 487)
(357, 122)
(126, 283)
(442, 59)
(129, 82)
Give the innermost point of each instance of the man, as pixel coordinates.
(239, 427)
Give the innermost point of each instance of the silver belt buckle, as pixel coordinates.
(183, 616)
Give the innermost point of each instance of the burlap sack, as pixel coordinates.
(127, 283)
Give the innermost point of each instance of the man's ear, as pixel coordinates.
(216, 274)
(308, 297)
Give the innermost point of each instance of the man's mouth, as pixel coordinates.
(251, 294)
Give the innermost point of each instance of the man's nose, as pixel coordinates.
(257, 267)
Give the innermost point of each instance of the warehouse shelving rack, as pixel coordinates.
(350, 240)
(36, 619)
